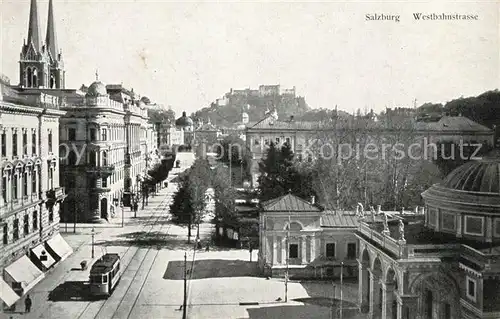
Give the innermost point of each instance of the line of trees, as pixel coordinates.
(190, 200)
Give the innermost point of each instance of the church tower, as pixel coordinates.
(41, 66)
(56, 68)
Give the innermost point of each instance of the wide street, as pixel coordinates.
(223, 282)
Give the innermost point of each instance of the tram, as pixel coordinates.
(104, 275)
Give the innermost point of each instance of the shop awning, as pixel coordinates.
(24, 272)
(43, 256)
(7, 295)
(58, 246)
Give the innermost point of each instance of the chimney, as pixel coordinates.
(313, 200)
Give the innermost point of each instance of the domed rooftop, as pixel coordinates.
(97, 89)
(481, 176)
(465, 200)
(184, 121)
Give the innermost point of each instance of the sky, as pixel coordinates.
(187, 54)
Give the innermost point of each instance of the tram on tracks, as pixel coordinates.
(104, 275)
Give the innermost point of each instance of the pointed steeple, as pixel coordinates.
(51, 39)
(34, 27)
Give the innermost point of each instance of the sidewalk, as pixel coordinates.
(68, 270)
(128, 215)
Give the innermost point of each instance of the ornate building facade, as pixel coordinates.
(30, 194)
(105, 134)
(443, 264)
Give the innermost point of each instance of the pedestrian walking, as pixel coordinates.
(198, 243)
(207, 248)
(27, 303)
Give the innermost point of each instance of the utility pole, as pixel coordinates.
(184, 304)
(123, 217)
(230, 160)
(287, 255)
(93, 231)
(332, 309)
(341, 287)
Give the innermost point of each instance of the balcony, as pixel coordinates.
(394, 246)
(55, 193)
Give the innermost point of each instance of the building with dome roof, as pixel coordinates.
(186, 125)
(444, 263)
(108, 129)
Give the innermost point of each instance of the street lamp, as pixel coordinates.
(93, 233)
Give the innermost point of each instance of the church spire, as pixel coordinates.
(34, 27)
(51, 39)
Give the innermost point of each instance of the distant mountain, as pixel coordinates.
(228, 111)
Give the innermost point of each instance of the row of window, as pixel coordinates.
(115, 134)
(293, 250)
(25, 148)
(26, 226)
(13, 182)
(473, 225)
(268, 141)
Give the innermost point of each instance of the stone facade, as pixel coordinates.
(30, 194)
(299, 237)
(110, 146)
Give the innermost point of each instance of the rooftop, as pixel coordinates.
(104, 264)
(289, 203)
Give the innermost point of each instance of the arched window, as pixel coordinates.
(29, 76)
(52, 81)
(35, 78)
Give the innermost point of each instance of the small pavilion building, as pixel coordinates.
(298, 236)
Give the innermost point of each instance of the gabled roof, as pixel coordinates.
(289, 203)
(339, 219)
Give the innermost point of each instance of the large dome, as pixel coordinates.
(467, 202)
(184, 121)
(97, 89)
(476, 176)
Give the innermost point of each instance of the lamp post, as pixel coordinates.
(123, 215)
(93, 232)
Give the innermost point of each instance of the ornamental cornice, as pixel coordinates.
(11, 108)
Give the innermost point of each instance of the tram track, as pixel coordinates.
(155, 218)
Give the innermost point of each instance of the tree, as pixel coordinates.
(279, 175)
(199, 177)
(224, 195)
(270, 179)
(161, 116)
(181, 207)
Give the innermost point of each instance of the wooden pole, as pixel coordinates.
(184, 304)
